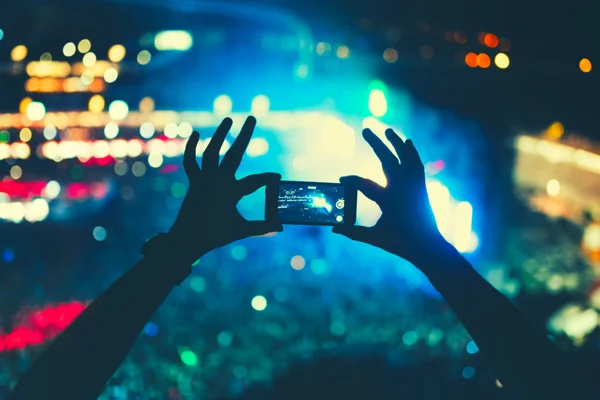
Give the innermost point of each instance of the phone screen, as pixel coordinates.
(311, 203)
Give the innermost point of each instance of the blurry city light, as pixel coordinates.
(1, 34)
(257, 147)
(99, 233)
(52, 190)
(16, 172)
(302, 71)
(36, 210)
(87, 78)
(24, 104)
(111, 130)
(69, 49)
(556, 130)
(323, 48)
(585, 65)
(185, 130)
(55, 69)
(223, 105)
(147, 105)
(25, 134)
(260, 106)
(46, 57)
(471, 60)
(96, 104)
(118, 110)
(462, 226)
(173, 40)
(390, 55)
(116, 53)
(18, 53)
(155, 160)
(502, 61)
(89, 59)
(111, 75)
(84, 46)
(553, 187)
(483, 60)
(50, 132)
(377, 103)
(147, 130)
(343, 52)
(36, 111)
(170, 130)
(439, 198)
(189, 358)
(144, 57)
(298, 262)
(239, 252)
(491, 40)
(259, 303)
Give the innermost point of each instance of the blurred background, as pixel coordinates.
(97, 99)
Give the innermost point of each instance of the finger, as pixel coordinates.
(369, 188)
(210, 158)
(252, 183)
(259, 228)
(233, 158)
(190, 165)
(358, 233)
(398, 143)
(388, 160)
(413, 155)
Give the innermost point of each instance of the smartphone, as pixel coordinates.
(310, 203)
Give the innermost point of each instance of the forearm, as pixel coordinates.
(84, 357)
(522, 356)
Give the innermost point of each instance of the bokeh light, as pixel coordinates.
(69, 49)
(16, 172)
(390, 55)
(298, 262)
(84, 46)
(116, 53)
(259, 303)
(36, 111)
(144, 57)
(18, 53)
(99, 233)
(25, 134)
(502, 61)
(585, 65)
(483, 60)
(471, 60)
(491, 40)
(96, 104)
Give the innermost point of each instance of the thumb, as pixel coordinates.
(358, 233)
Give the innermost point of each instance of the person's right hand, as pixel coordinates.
(407, 226)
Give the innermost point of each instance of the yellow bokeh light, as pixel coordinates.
(147, 105)
(25, 135)
(297, 262)
(502, 61)
(116, 53)
(69, 49)
(24, 104)
(556, 130)
(96, 104)
(144, 57)
(84, 46)
(18, 53)
(343, 52)
(585, 65)
(16, 172)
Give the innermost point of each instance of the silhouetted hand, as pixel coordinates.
(209, 217)
(407, 226)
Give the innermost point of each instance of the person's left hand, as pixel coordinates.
(209, 217)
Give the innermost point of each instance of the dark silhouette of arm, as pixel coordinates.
(83, 358)
(523, 358)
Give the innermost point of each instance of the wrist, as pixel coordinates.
(165, 254)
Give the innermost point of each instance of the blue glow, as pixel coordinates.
(9, 255)
(281, 294)
(472, 347)
(1, 34)
(240, 371)
(318, 266)
(468, 372)
(225, 339)
(239, 253)
(151, 329)
(99, 233)
(410, 338)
